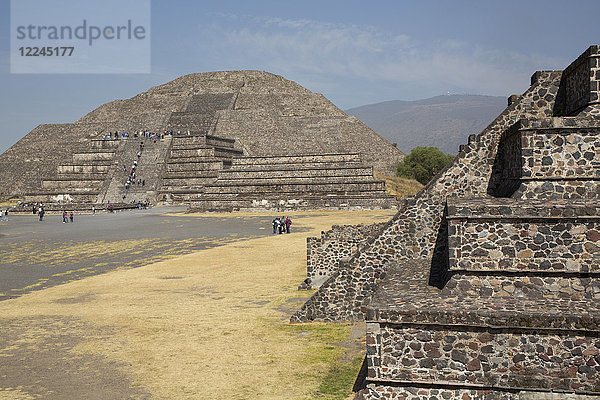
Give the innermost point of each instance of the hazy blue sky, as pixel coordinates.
(354, 52)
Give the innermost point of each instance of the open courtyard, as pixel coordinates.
(161, 304)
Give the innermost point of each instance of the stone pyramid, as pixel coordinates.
(486, 285)
(227, 114)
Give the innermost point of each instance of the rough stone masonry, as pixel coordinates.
(485, 285)
(261, 116)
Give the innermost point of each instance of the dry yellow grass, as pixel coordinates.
(399, 187)
(209, 325)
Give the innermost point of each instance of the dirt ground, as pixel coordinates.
(208, 325)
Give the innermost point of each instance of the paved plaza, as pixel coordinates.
(35, 255)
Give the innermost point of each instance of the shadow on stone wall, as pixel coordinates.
(361, 380)
(497, 185)
(439, 273)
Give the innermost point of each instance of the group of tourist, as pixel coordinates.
(149, 134)
(66, 217)
(136, 134)
(4, 215)
(281, 225)
(131, 179)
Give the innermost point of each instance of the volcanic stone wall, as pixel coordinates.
(470, 296)
(291, 182)
(517, 236)
(342, 241)
(582, 83)
(497, 357)
(415, 230)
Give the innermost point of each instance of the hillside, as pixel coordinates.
(442, 121)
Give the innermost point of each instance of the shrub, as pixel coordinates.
(423, 163)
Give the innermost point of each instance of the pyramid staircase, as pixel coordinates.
(289, 182)
(194, 161)
(511, 308)
(149, 169)
(520, 306)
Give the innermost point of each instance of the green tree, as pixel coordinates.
(423, 163)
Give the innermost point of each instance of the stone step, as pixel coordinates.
(225, 179)
(71, 184)
(542, 153)
(194, 167)
(187, 190)
(100, 167)
(188, 181)
(323, 186)
(199, 173)
(568, 287)
(294, 173)
(300, 165)
(517, 236)
(82, 207)
(483, 357)
(417, 334)
(207, 151)
(291, 201)
(427, 392)
(109, 144)
(93, 155)
(63, 196)
(77, 176)
(538, 160)
(568, 189)
(149, 169)
(307, 158)
(197, 159)
(190, 140)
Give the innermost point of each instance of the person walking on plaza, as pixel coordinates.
(275, 225)
(288, 222)
(71, 216)
(41, 213)
(65, 220)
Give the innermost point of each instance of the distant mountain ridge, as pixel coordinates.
(442, 121)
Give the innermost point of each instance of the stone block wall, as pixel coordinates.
(549, 158)
(342, 241)
(93, 156)
(417, 230)
(296, 159)
(523, 236)
(486, 357)
(582, 81)
(295, 181)
(521, 287)
(374, 391)
(83, 168)
(557, 153)
(290, 172)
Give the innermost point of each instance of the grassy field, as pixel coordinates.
(399, 187)
(208, 325)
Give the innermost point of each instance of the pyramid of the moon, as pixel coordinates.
(229, 140)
